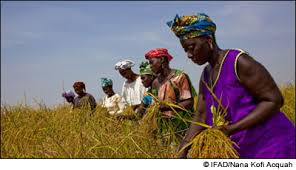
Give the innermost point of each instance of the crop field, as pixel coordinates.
(58, 132)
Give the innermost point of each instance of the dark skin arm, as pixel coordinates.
(199, 116)
(261, 85)
(141, 109)
(136, 106)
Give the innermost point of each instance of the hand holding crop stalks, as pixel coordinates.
(183, 153)
(226, 129)
(167, 114)
(163, 107)
(165, 110)
(209, 141)
(182, 150)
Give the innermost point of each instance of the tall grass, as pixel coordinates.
(43, 132)
(288, 91)
(59, 133)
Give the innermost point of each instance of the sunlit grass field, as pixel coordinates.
(43, 132)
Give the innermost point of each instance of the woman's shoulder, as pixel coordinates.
(116, 95)
(237, 49)
(89, 95)
(180, 75)
(233, 54)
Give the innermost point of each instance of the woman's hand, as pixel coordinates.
(163, 107)
(226, 129)
(184, 152)
(168, 114)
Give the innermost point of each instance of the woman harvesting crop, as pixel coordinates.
(246, 89)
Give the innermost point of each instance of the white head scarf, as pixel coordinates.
(124, 64)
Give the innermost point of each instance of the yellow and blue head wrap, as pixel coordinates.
(186, 27)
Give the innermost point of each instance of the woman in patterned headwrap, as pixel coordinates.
(83, 100)
(252, 98)
(147, 77)
(114, 103)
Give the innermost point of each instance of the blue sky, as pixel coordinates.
(45, 45)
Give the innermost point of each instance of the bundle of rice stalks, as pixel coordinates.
(167, 132)
(149, 120)
(129, 111)
(154, 123)
(211, 142)
(127, 114)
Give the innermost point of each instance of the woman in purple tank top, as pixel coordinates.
(246, 88)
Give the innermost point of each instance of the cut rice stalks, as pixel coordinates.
(149, 120)
(211, 142)
(154, 123)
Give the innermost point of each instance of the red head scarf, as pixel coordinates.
(158, 52)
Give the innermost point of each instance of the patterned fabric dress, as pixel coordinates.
(175, 90)
(273, 138)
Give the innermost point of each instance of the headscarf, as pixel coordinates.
(79, 84)
(158, 52)
(68, 93)
(186, 27)
(145, 69)
(124, 64)
(106, 82)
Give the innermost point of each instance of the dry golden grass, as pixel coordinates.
(288, 92)
(43, 132)
(212, 143)
(59, 133)
(148, 123)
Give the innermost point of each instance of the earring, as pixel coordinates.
(211, 46)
